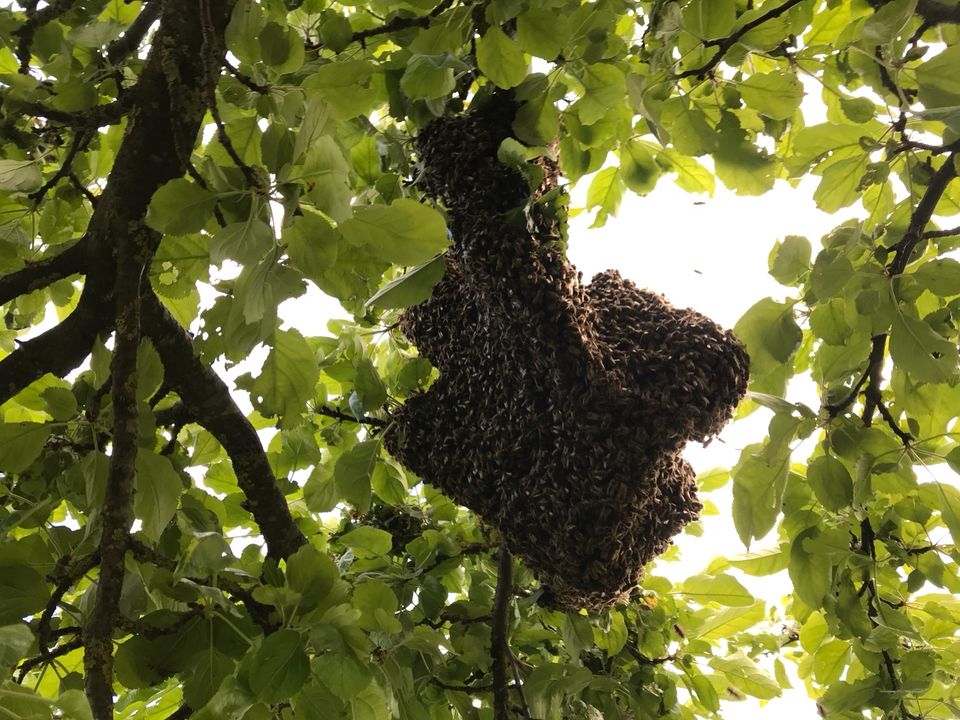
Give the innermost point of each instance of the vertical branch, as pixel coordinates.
(499, 646)
(117, 511)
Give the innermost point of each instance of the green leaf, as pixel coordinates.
(410, 288)
(940, 276)
(180, 207)
(245, 242)
(782, 334)
(280, 667)
(765, 562)
(23, 703)
(840, 183)
(312, 244)
(831, 482)
(692, 177)
(537, 121)
(20, 175)
(428, 76)
(722, 624)
(888, 21)
(15, 641)
(939, 82)
(743, 674)
(758, 485)
(638, 167)
(722, 589)
(709, 19)
(831, 272)
(859, 109)
(830, 661)
(789, 260)
(920, 351)
(377, 604)
(23, 592)
(286, 380)
(353, 472)
(158, 492)
(605, 89)
(368, 542)
(405, 232)
(543, 32)
(809, 573)
(605, 192)
(21, 444)
(843, 696)
(776, 95)
(501, 59)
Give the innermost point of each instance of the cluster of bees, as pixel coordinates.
(562, 407)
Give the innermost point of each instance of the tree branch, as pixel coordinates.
(134, 34)
(935, 12)
(399, 23)
(58, 350)
(724, 44)
(499, 645)
(117, 512)
(363, 420)
(208, 400)
(59, 651)
(97, 116)
(258, 612)
(931, 234)
(79, 142)
(41, 273)
(36, 19)
(65, 576)
(246, 80)
(923, 212)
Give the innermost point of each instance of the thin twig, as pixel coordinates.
(931, 234)
(36, 19)
(336, 414)
(79, 142)
(245, 79)
(724, 44)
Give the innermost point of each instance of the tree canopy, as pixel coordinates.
(165, 554)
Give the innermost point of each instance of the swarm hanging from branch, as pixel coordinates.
(561, 408)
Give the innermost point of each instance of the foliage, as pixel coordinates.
(145, 142)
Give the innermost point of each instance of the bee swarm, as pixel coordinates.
(561, 408)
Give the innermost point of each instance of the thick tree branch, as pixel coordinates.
(724, 44)
(499, 645)
(41, 273)
(935, 12)
(58, 350)
(208, 400)
(98, 116)
(117, 512)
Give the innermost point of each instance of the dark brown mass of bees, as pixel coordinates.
(561, 408)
